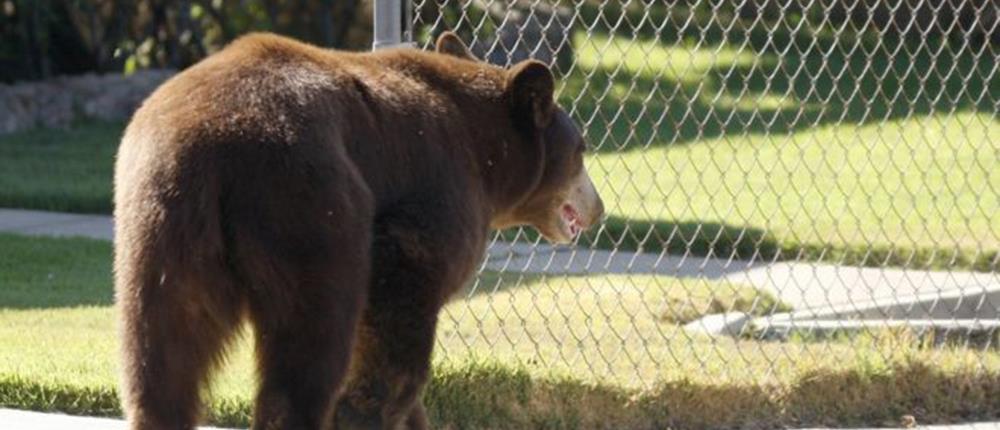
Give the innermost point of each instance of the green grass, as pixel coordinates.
(524, 352)
(734, 147)
(48, 273)
(59, 170)
(919, 202)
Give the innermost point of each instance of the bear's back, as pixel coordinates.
(271, 87)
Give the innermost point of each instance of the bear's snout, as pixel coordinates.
(586, 199)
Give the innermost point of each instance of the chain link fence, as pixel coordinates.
(791, 185)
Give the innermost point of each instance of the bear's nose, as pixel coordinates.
(598, 212)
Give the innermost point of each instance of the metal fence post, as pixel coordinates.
(388, 24)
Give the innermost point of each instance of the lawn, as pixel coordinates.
(726, 148)
(59, 170)
(524, 352)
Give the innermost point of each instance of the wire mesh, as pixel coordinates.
(790, 185)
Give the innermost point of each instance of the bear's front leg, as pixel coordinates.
(416, 266)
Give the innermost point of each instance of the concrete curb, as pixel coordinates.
(965, 302)
(969, 426)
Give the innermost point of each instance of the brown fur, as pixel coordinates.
(336, 200)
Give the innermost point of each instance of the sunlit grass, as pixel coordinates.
(686, 64)
(922, 182)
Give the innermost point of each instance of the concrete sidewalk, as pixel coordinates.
(38, 223)
(801, 285)
(11, 419)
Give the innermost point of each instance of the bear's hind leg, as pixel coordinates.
(416, 264)
(303, 350)
(307, 271)
(174, 333)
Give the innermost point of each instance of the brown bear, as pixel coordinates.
(335, 200)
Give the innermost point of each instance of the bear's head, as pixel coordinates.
(565, 202)
(562, 201)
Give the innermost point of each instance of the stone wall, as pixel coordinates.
(61, 101)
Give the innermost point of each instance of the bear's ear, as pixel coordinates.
(531, 87)
(448, 43)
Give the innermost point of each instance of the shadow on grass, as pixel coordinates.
(694, 238)
(725, 241)
(65, 170)
(499, 397)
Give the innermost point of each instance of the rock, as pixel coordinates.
(725, 324)
(14, 115)
(54, 105)
(61, 101)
